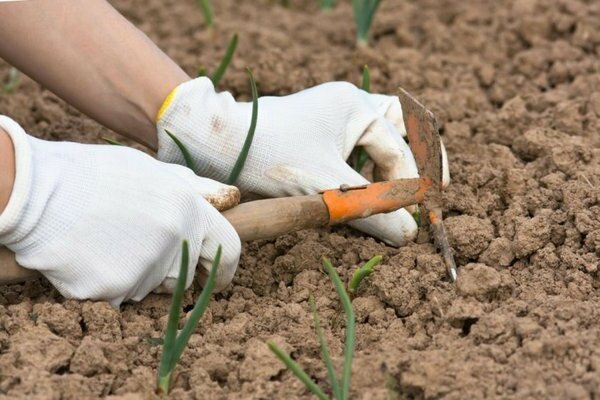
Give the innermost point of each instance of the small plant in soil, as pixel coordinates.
(174, 343)
(207, 11)
(340, 387)
(359, 155)
(361, 273)
(11, 81)
(364, 11)
(326, 5)
(224, 64)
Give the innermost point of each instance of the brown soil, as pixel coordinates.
(514, 85)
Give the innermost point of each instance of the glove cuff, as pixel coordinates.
(174, 116)
(13, 213)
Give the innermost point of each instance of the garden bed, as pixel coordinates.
(514, 85)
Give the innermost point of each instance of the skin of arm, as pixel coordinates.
(92, 57)
(7, 169)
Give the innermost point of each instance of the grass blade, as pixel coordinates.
(298, 371)
(187, 157)
(350, 326)
(12, 79)
(112, 141)
(362, 273)
(206, 8)
(166, 361)
(335, 385)
(197, 311)
(361, 156)
(327, 5)
(225, 61)
(241, 160)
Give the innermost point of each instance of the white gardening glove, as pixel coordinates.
(107, 222)
(300, 145)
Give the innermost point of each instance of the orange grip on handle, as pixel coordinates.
(345, 204)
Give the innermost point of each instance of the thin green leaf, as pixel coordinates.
(197, 311)
(326, 5)
(366, 79)
(12, 79)
(225, 61)
(335, 385)
(206, 8)
(362, 273)
(166, 361)
(417, 217)
(298, 371)
(187, 157)
(241, 160)
(112, 141)
(360, 154)
(350, 326)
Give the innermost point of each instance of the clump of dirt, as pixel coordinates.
(512, 84)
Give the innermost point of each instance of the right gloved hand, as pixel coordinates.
(301, 142)
(106, 222)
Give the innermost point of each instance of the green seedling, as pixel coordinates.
(207, 11)
(340, 388)
(187, 157)
(326, 5)
(417, 217)
(112, 141)
(241, 160)
(12, 79)
(359, 155)
(364, 11)
(362, 272)
(174, 344)
(224, 64)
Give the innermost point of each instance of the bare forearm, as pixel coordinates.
(93, 58)
(7, 169)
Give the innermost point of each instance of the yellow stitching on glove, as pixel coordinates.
(166, 104)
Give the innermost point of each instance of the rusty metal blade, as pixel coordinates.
(424, 141)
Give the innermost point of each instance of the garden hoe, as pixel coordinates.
(269, 218)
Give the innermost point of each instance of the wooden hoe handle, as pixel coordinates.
(266, 219)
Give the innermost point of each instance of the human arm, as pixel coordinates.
(92, 57)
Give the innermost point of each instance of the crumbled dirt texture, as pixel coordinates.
(514, 85)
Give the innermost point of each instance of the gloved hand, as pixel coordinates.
(106, 222)
(300, 145)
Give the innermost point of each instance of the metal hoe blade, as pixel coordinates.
(424, 141)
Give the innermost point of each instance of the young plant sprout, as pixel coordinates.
(224, 64)
(112, 141)
(207, 11)
(12, 79)
(326, 5)
(187, 157)
(241, 160)
(340, 388)
(174, 344)
(359, 155)
(364, 11)
(362, 272)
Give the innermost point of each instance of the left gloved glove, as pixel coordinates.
(301, 142)
(106, 222)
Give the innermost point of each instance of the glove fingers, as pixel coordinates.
(219, 195)
(390, 153)
(221, 233)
